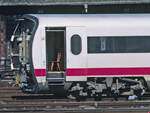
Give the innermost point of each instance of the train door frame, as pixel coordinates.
(56, 29)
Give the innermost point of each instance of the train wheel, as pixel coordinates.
(76, 96)
(116, 95)
(98, 97)
(77, 92)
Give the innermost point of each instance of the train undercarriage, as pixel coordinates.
(108, 87)
(97, 88)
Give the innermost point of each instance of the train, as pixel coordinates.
(82, 55)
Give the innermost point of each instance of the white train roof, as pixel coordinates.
(94, 19)
(100, 24)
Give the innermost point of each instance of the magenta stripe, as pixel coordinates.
(40, 72)
(76, 72)
(108, 71)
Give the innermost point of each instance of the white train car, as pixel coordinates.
(83, 54)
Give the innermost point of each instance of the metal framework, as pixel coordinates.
(68, 2)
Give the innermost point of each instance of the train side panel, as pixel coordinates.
(39, 55)
(76, 58)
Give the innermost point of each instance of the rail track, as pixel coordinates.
(12, 99)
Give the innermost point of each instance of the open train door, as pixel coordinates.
(76, 51)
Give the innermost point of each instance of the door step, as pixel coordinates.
(55, 81)
(55, 78)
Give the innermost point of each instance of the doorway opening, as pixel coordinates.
(55, 49)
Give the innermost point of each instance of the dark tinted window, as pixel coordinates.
(76, 44)
(133, 44)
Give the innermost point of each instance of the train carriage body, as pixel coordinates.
(75, 49)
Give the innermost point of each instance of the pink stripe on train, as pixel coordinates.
(108, 71)
(40, 72)
(100, 71)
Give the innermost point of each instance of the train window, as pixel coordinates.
(119, 44)
(76, 44)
